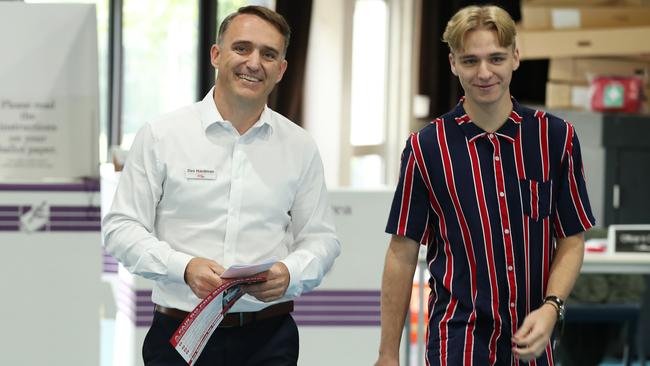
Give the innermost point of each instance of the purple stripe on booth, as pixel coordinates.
(81, 209)
(144, 303)
(109, 264)
(339, 308)
(144, 322)
(79, 217)
(346, 308)
(63, 218)
(144, 313)
(76, 228)
(304, 302)
(110, 268)
(88, 185)
(338, 323)
(144, 308)
(346, 293)
(335, 312)
(143, 293)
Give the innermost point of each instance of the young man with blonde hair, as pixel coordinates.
(496, 192)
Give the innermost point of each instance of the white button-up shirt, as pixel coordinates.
(193, 186)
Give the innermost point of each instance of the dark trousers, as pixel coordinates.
(272, 342)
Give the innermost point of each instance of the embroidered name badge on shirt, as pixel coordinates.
(201, 174)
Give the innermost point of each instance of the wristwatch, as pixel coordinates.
(558, 304)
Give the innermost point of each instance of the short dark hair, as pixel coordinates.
(275, 19)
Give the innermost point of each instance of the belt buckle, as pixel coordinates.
(241, 319)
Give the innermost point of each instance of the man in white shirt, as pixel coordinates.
(221, 182)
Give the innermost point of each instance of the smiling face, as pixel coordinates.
(484, 68)
(249, 60)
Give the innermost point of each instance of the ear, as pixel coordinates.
(283, 68)
(452, 64)
(515, 64)
(215, 52)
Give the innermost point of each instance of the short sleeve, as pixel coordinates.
(572, 210)
(409, 213)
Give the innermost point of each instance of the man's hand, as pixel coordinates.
(277, 281)
(203, 276)
(535, 332)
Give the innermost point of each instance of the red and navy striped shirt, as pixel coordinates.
(489, 207)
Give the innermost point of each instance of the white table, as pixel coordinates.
(624, 263)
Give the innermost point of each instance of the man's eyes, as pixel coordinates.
(243, 49)
(473, 61)
(270, 55)
(240, 48)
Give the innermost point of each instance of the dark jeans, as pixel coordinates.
(272, 341)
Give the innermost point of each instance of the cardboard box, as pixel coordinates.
(581, 70)
(549, 17)
(585, 2)
(636, 2)
(572, 2)
(589, 42)
(570, 96)
(577, 96)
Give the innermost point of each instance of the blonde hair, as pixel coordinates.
(479, 17)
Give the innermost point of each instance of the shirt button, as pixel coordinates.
(506, 231)
(497, 158)
(491, 135)
(510, 268)
(512, 304)
(501, 194)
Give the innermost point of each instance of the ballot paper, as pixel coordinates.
(192, 335)
(245, 270)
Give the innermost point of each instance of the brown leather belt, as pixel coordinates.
(236, 319)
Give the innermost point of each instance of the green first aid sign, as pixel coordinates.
(613, 95)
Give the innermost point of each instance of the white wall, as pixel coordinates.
(328, 84)
(325, 84)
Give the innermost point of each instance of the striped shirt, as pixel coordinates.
(489, 207)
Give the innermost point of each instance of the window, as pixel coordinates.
(160, 53)
(226, 7)
(368, 97)
(160, 57)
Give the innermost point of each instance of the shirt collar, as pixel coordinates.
(210, 114)
(508, 130)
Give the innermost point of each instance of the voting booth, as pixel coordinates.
(51, 274)
(343, 311)
(49, 191)
(49, 92)
(339, 321)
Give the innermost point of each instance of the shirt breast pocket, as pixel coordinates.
(536, 198)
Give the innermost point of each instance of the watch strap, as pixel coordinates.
(558, 304)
